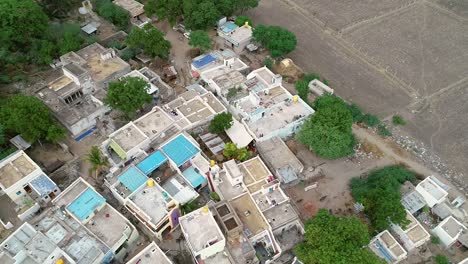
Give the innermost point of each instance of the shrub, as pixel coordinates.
(240, 21)
(398, 120)
(268, 62)
(215, 196)
(370, 120)
(383, 130)
(441, 259)
(113, 13)
(128, 54)
(220, 123)
(358, 115)
(435, 240)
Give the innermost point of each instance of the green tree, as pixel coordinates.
(128, 95)
(59, 8)
(151, 7)
(221, 122)
(231, 151)
(302, 85)
(328, 132)
(441, 259)
(244, 5)
(113, 13)
(200, 39)
(3, 139)
(240, 21)
(335, 240)
(29, 117)
(380, 195)
(370, 120)
(277, 40)
(165, 9)
(200, 14)
(150, 40)
(96, 159)
(70, 38)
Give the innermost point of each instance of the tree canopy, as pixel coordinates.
(328, 132)
(29, 117)
(165, 9)
(113, 13)
(380, 195)
(200, 39)
(200, 14)
(128, 95)
(231, 151)
(302, 85)
(240, 21)
(335, 240)
(58, 8)
(277, 40)
(150, 40)
(220, 123)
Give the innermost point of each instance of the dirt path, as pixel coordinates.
(391, 150)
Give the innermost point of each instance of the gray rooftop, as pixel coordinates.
(152, 202)
(128, 137)
(277, 155)
(280, 215)
(15, 167)
(152, 254)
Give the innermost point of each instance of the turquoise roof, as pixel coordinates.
(88, 201)
(180, 150)
(152, 162)
(194, 177)
(132, 178)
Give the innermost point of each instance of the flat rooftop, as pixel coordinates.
(71, 193)
(269, 199)
(151, 254)
(276, 153)
(278, 117)
(254, 170)
(133, 7)
(227, 190)
(280, 215)
(414, 230)
(108, 224)
(154, 122)
(432, 188)
(200, 229)
(15, 167)
(452, 227)
(153, 201)
(128, 137)
(241, 34)
(213, 102)
(386, 242)
(227, 78)
(250, 216)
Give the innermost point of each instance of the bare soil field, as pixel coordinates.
(405, 57)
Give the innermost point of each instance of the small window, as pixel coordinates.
(46, 197)
(18, 193)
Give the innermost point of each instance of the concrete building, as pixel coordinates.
(269, 222)
(151, 254)
(414, 235)
(449, 231)
(432, 190)
(135, 10)
(155, 83)
(76, 96)
(23, 181)
(204, 237)
(216, 63)
(80, 228)
(194, 108)
(238, 38)
(318, 88)
(137, 137)
(385, 246)
(280, 159)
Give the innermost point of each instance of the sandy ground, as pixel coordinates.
(403, 56)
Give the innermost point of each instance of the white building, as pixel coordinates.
(431, 189)
(151, 254)
(204, 237)
(25, 183)
(385, 246)
(149, 76)
(414, 235)
(448, 231)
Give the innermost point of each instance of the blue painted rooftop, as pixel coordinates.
(180, 150)
(152, 162)
(43, 185)
(88, 201)
(194, 177)
(228, 27)
(203, 61)
(132, 178)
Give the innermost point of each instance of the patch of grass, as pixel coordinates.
(383, 130)
(370, 120)
(398, 120)
(435, 240)
(441, 259)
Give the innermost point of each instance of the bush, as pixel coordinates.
(113, 13)
(383, 130)
(435, 240)
(215, 196)
(441, 259)
(268, 62)
(370, 120)
(128, 54)
(240, 21)
(398, 120)
(358, 115)
(220, 123)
